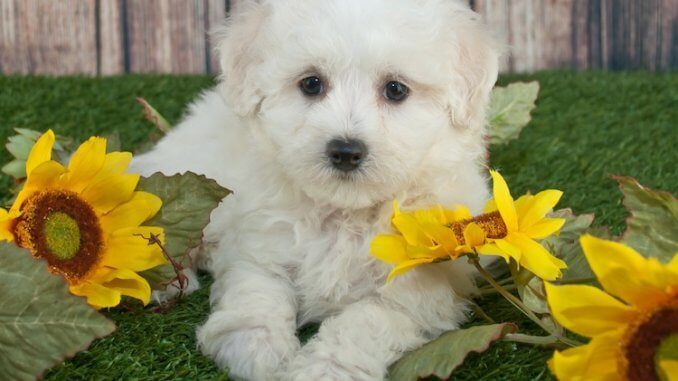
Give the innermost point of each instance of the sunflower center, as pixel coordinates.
(63, 229)
(62, 235)
(644, 339)
(491, 223)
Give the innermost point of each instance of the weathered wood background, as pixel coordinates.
(103, 37)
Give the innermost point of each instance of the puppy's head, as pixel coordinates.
(356, 99)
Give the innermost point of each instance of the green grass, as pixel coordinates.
(586, 126)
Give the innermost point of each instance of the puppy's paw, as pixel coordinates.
(172, 290)
(249, 352)
(323, 366)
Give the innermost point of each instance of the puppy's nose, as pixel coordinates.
(346, 155)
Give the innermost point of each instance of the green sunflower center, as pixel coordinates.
(62, 228)
(668, 350)
(62, 235)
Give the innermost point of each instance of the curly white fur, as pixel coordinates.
(291, 245)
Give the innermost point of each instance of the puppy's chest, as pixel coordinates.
(336, 267)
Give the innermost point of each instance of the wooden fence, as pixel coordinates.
(104, 37)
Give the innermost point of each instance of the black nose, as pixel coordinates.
(346, 155)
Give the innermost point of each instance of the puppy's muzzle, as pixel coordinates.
(346, 155)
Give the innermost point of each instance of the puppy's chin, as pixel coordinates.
(346, 192)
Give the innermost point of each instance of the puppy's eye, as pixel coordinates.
(396, 91)
(312, 86)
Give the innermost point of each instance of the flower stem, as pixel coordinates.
(546, 341)
(507, 295)
(519, 305)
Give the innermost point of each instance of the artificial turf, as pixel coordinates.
(585, 127)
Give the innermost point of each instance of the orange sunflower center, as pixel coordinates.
(491, 223)
(643, 339)
(61, 228)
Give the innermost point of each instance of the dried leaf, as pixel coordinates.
(652, 227)
(41, 323)
(188, 200)
(510, 109)
(442, 356)
(153, 116)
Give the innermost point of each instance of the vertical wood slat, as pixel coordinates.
(48, 37)
(111, 37)
(166, 36)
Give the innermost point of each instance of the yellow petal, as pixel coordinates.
(670, 369)
(544, 228)
(539, 205)
(98, 296)
(442, 235)
(622, 271)
(490, 206)
(6, 221)
(115, 163)
(41, 151)
(86, 162)
(509, 248)
(434, 215)
(128, 283)
(129, 249)
(474, 235)
(536, 258)
(389, 248)
(523, 203)
(408, 226)
(407, 266)
(110, 192)
(504, 201)
(459, 213)
(140, 208)
(595, 361)
(587, 310)
(493, 249)
(45, 176)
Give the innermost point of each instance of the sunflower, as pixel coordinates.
(425, 237)
(633, 324)
(84, 220)
(512, 228)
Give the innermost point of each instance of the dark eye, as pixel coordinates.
(312, 86)
(396, 91)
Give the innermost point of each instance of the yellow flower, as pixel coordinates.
(513, 227)
(424, 238)
(85, 221)
(631, 324)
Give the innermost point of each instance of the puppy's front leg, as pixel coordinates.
(363, 340)
(251, 329)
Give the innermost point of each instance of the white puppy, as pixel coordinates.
(326, 112)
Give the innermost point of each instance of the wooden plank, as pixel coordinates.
(495, 13)
(48, 37)
(555, 34)
(216, 15)
(522, 35)
(166, 36)
(111, 37)
(580, 32)
(667, 55)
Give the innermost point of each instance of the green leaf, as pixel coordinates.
(15, 168)
(153, 116)
(188, 200)
(41, 323)
(113, 143)
(652, 227)
(510, 109)
(442, 356)
(19, 146)
(566, 245)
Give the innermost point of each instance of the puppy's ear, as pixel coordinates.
(240, 55)
(475, 65)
